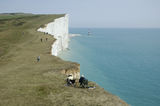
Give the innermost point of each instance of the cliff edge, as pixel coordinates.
(24, 81)
(59, 30)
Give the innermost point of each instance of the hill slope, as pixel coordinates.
(26, 82)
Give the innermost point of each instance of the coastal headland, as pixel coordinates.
(24, 81)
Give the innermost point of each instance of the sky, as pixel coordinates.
(93, 13)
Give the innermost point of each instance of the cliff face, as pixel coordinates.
(59, 29)
(40, 83)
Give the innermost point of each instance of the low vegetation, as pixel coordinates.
(26, 82)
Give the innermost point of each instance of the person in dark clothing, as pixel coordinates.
(81, 79)
(46, 39)
(41, 39)
(83, 82)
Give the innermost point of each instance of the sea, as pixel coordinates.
(125, 62)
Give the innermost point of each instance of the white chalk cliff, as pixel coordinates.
(59, 29)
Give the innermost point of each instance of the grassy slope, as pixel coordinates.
(24, 82)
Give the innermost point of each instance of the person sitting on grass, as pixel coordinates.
(83, 82)
(70, 80)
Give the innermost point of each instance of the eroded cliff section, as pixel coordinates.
(74, 71)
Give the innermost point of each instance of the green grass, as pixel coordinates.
(26, 82)
(6, 16)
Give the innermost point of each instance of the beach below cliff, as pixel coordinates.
(28, 82)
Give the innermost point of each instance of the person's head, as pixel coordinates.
(82, 75)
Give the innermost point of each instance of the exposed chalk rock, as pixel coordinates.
(59, 29)
(75, 72)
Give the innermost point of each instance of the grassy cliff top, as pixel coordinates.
(26, 82)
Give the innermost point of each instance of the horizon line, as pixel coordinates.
(120, 27)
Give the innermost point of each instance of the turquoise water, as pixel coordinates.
(125, 62)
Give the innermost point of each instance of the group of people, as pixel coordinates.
(42, 39)
(83, 82)
(38, 58)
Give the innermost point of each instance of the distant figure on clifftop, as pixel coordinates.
(38, 58)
